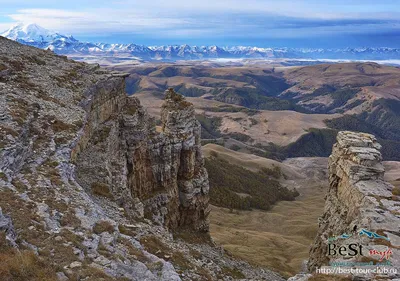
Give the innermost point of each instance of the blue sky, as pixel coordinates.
(264, 23)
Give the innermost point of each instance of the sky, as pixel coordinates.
(262, 23)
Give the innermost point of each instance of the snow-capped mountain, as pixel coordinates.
(34, 35)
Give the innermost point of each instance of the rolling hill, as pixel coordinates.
(276, 111)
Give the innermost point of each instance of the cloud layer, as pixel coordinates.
(205, 21)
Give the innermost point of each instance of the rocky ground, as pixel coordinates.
(360, 208)
(89, 189)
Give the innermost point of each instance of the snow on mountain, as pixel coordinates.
(34, 35)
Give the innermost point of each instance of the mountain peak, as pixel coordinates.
(34, 35)
(32, 32)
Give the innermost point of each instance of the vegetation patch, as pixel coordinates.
(193, 237)
(36, 60)
(227, 180)
(240, 137)
(189, 91)
(131, 110)
(19, 185)
(396, 191)
(103, 226)
(70, 219)
(133, 251)
(230, 108)
(60, 126)
(49, 169)
(101, 189)
(155, 246)
(126, 230)
(232, 272)
(253, 121)
(209, 126)
(24, 265)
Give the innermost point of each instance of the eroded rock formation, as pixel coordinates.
(361, 208)
(91, 187)
(157, 175)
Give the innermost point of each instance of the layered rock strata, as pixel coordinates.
(159, 175)
(91, 187)
(361, 209)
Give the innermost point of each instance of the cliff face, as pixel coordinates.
(89, 186)
(360, 208)
(157, 175)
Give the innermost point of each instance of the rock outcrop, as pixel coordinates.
(361, 209)
(157, 175)
(91, 187)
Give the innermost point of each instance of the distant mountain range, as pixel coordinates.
(36, 36)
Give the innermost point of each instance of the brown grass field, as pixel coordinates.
(280, 238)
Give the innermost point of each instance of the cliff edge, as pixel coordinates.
(360, 227)
(90, 188)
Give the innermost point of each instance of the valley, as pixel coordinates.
(269, 116)
(200, 140)
(280, 237)
(198, 155)
(278, 111)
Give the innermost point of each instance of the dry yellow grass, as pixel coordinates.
(279, 127)
(392, 170)
(278, 239)
(24, 265)
(249, 161)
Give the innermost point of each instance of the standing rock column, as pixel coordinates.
(180, 126)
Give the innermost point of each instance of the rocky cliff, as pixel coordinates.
(361, 209)
(157, 175)
(90, 188)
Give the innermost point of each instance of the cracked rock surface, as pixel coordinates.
(90, 186)
(358, 202)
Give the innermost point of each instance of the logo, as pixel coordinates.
(382, 254)
(351, 250)
(343, 236)
(356, 249)
(372, 235)
(362, 232)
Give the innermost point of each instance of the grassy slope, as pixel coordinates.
(278, 239)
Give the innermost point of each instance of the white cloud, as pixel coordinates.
(4, 26)
(211, 18)
(99, 20)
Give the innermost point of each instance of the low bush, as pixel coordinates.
(103, 226)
